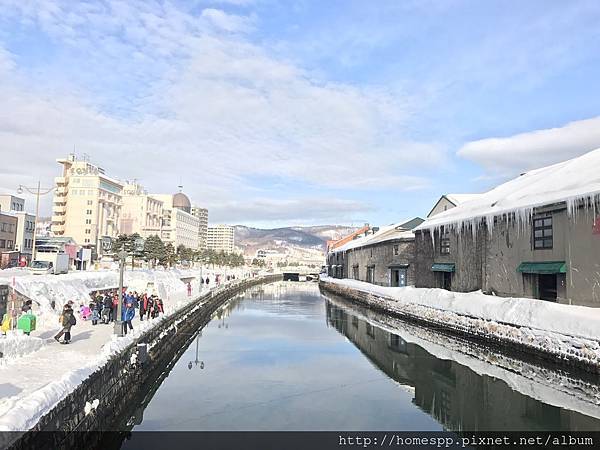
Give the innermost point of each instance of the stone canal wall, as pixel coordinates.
(110, 393)
(578, 354)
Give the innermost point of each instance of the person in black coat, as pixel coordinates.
(107, 308)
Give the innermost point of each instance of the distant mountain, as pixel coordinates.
(282, 239)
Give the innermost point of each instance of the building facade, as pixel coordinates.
(25, 232)
(141, 213)
(522, 238)
(221, 238)
(87, 205)
(10, 202)
(202, 215)
(179, 225)
(383, 256)
(9, 257)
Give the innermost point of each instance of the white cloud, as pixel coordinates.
(535, 148)
(300, 211)
(228, 22)
(207, 109)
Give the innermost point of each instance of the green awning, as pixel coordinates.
(443, 267)
(543, 267)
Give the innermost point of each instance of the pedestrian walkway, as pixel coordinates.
(32, 384)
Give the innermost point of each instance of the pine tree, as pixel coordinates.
(169, 256)
(154, 249)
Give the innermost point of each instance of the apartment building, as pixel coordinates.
(221, 237)
(87, 205)
(8, 235)
(179, 225)
(25, 233)
(202, 215)
(141, 213)
(10, 202)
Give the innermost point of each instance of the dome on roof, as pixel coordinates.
(181, 201)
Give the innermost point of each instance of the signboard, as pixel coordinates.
(106, 244)
(138, 247)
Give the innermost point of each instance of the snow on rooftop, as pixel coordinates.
(457, 199)
(570, 181)
(386, 233)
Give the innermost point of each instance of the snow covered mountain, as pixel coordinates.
(281, 239)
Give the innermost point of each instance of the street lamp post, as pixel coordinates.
(118, 322)
(37, 192)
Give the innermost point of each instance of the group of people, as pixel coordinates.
(104, 309)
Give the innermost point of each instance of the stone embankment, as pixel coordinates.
(567, 351)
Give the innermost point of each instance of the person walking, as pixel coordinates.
(115, 304)
(143, 306)
(150, 307)
(67, 320)
(189, 289)
(106, 309)
(95, 313)
(127, 316)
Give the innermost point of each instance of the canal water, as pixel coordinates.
(284, 357)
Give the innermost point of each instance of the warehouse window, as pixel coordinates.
(542, 233)
(444, 241)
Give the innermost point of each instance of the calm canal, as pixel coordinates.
(284, 357)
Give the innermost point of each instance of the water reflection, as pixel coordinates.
(282, 357)
(456, 396)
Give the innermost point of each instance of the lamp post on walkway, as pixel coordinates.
(118, 322)
(37, 192)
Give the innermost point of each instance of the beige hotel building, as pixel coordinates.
(221, 237)
(142, 213)
(179, 225)
(87, 204)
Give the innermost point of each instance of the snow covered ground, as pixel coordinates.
(37, 372)
(566, 331)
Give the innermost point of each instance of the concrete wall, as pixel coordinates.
(122, 383)
(574, 242)
(466, 253)
(381, 256)
(490, 261)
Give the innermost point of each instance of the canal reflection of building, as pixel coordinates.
(456, 396)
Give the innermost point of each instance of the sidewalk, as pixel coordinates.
(32, 384)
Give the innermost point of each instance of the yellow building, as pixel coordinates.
(141, 212)
(87, 205)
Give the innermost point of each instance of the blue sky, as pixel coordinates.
(299, 112)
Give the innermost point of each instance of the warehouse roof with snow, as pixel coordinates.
(573, 182)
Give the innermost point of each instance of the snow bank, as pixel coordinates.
(16, 344)
(567, 331)
(577, 321)
(76, 286)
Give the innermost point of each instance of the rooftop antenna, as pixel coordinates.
(86, 157)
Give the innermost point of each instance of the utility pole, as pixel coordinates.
(118, 322)
(37, 192)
